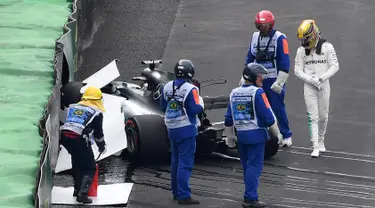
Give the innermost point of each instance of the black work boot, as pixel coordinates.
(188, 201)
(247, 204)
(76, 188)
(84, 189)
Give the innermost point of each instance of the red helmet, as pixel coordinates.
(264, 18)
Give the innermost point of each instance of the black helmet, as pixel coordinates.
(252, 70)
(184, 69)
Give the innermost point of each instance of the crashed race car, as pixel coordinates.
(143, 121)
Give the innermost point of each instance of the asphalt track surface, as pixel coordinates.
(215, 35)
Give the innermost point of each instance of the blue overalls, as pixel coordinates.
(180, 102)
(274, 59)
(250, 113)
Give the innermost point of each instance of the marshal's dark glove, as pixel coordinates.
(101, 146)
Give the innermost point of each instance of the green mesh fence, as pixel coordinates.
(28, 30)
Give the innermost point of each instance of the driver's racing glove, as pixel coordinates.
(278, 85)
(316, 82)
(231, 138)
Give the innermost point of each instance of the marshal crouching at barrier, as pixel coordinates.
(315, 63)
(83, 121)
(182, 104)
(250, 113)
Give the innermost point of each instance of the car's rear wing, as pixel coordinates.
(151, 63)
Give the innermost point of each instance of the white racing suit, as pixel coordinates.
(316, 70)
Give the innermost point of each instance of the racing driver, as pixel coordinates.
(250, 113)
(182, 104)
(269, 47)
(315, 63)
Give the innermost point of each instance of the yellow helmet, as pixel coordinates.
(92, 93)
(308, 33)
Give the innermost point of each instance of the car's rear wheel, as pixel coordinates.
(272, 146)
(147, 139)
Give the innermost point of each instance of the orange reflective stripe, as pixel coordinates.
(265, 99)
(196, 96)
(285, 46)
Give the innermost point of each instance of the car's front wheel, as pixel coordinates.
(147, 139)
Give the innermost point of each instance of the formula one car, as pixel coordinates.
(146, 133)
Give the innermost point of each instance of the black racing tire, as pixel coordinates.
(70, 93)
(272, 146)
(222, 148)
(147, 139)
